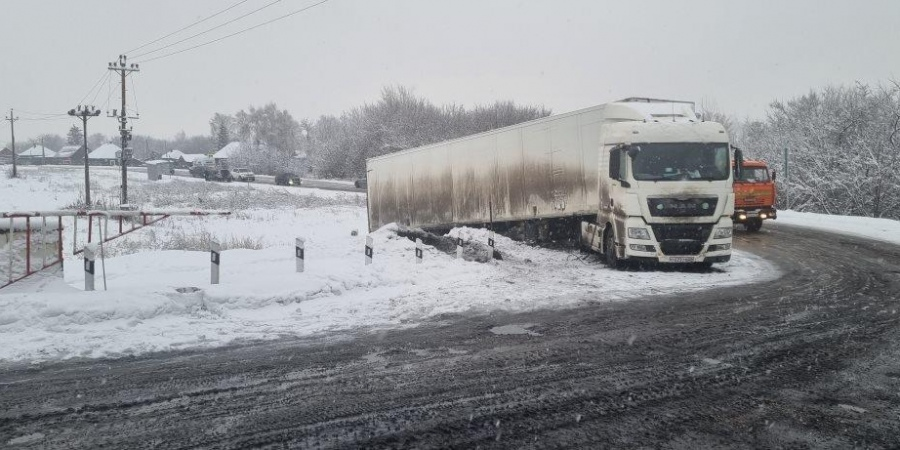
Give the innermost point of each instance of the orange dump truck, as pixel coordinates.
(754, 195)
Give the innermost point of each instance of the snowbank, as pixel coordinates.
(887, 230)
(146, 307)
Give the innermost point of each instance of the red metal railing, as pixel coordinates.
(147, 217)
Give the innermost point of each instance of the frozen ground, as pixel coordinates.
(261, 296)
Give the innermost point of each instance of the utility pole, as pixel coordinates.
(123, 69)
(12, 130)
(85, 113)
(787, 190)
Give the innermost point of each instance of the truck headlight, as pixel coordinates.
(638, 233)
(722, 232)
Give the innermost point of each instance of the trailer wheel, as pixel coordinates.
(609, 250)
(754, 225)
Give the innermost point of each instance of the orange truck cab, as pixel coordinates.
(754, 195)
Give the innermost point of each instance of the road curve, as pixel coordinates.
(811, 360)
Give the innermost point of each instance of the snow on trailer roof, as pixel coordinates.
(632, 109)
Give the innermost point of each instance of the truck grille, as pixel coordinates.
(688, 207)
(678, 239)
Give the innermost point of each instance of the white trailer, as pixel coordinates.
(637, 179)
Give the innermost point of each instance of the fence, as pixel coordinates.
(32, 236)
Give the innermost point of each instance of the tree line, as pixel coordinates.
(843, 147)
(843, 142)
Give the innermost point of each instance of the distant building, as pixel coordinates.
(191, 157)
(36, 155)
(70, 154)
(105, 155)
(5, 156)
(228, 151)
(178, 159)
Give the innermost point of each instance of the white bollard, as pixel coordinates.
(90, 255)
(419, 253)
(369, 249)
(299, 249)
(459, 248)
(214, 249)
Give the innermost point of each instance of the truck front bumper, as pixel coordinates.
(745, 215)
(713, 249)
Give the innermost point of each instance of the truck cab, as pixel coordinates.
(665, 193)
(754, 195)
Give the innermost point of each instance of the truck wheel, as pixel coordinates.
(754, 225)
(609, 251)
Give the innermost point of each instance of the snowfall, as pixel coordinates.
(154, 291)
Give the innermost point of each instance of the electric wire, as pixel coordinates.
(137, 109)
(236, 33)
(207, 31)
(99, 90)
(189, 26)
(96, 84)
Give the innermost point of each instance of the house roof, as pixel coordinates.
(191, 157)
(105, 151)
(68, 151)
(229, 150)
(172, 154)
(38, 150)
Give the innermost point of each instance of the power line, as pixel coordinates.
(32, 113)
(189, 26)
(98, 83)
(207, 31)
(236, 33)
(137, 109)
(100, 89)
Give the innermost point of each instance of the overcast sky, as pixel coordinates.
(738, 56)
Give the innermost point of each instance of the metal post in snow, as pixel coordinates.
(787, 192)
(299, 250)
(459, 248)
(419, 252)
(43, 242)
(90, 255)
(12, 238)
(369, 249)
(214, 249)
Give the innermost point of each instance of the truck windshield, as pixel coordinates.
(755, 174)
(682, 161)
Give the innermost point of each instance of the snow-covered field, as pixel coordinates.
(260, 295)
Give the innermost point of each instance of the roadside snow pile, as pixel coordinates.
(887, 230)
(150, 306)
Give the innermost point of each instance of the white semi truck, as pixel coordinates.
(636, 180)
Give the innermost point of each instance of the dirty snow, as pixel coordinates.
(261, 296)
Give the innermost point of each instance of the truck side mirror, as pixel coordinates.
(738, 163)
(773, 175)
(614, 163)
(633, 151)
